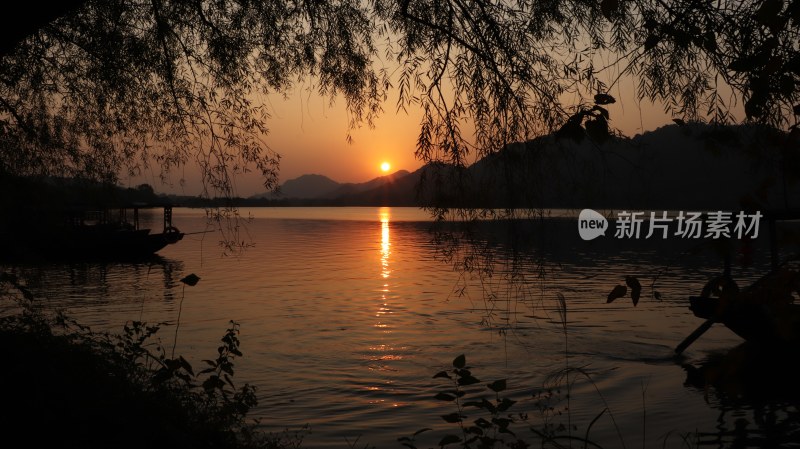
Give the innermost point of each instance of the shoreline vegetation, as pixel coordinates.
(67, 386)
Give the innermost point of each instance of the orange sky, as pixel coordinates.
(310, 135)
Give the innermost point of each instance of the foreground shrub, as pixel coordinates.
(66, 386)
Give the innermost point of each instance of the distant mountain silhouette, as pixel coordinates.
(352, 189)
(304, 187)
(396, 189)
(691, 166)
(677, 167)
(318, 187)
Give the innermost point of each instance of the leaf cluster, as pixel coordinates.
(492, 431)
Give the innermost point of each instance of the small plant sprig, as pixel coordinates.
(481, 433)
(218, 390)
(222, 367)
(134, 349)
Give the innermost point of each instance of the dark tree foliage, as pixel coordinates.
(122, 84)
(126, 83)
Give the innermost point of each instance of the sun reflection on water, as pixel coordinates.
(384, 310)
(386, 245)
(382, 352)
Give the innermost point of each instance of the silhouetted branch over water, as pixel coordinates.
(91, 87)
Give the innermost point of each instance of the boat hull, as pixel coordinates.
(767, 324)
(87, 243)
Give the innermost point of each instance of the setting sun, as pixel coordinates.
(385, 166)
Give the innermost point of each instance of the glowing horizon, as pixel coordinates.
(310, 134)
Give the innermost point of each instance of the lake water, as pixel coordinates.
(347, 313)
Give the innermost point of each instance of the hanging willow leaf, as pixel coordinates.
(744, 64)
(651, 41)
(786, 87)
(754, 107)
(636, 288)
(608, 8)
(618, 292)
(769, 10)
(774, 64)
(794, 10)
(636, 293)
(633, 282)
(710, 41)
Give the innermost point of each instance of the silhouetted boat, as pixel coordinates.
(764, 313)
(89, 235)
(759, 323)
